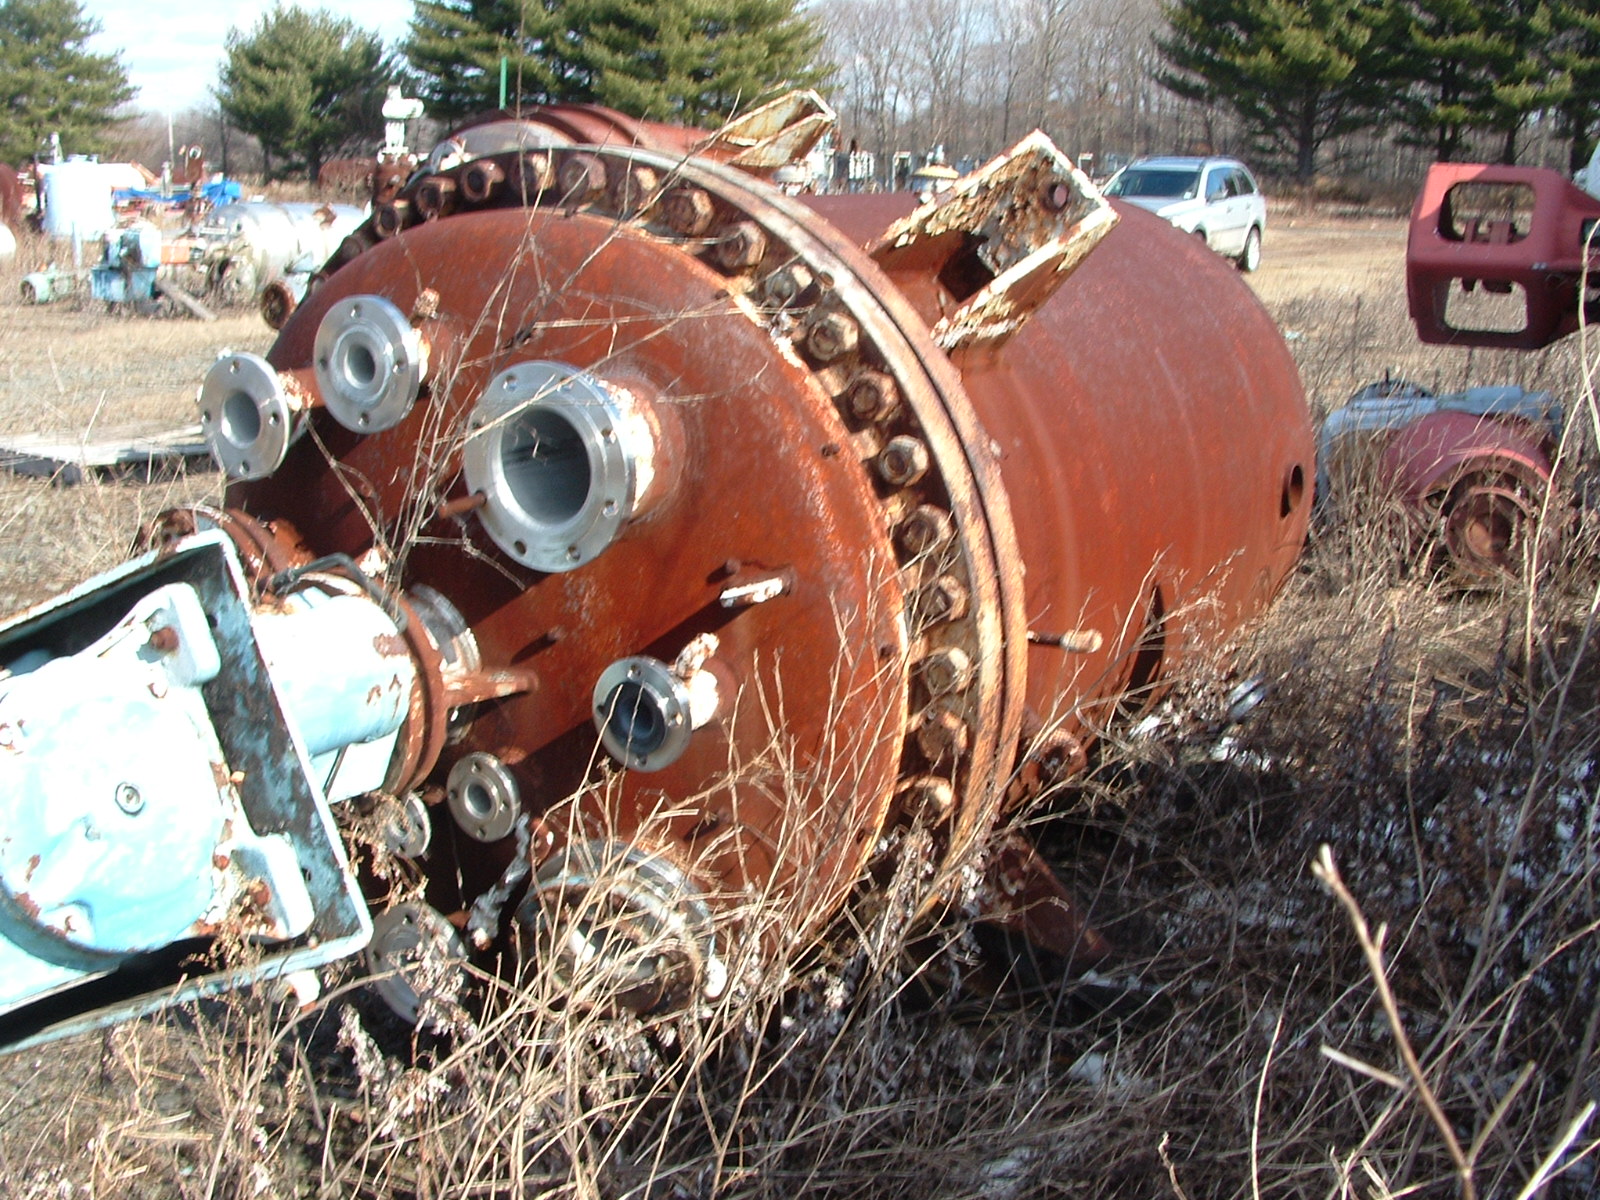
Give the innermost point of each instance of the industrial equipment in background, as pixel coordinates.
(1497, 256)
(264, 252)
(643, 553)
(1472, 469)
(197, 244)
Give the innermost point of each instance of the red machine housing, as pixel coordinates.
(1502, 228)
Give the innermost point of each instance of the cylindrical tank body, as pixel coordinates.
(277, 238)
(1152, 435)
(744, 558)
(77, 199)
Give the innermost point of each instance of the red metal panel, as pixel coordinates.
(1541, 251)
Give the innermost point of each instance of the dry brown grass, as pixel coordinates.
(75, 370)
(1442, 744)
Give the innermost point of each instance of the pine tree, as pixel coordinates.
(1575, 51)
(305, 84)
(694, 61)
(1296, 72)
(1472, 65)
(49, 83)
(456, 47)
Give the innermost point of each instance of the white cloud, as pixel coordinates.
(172, 54)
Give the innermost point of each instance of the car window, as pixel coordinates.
(1174, 183)
(1217, 184)
(1246, 185)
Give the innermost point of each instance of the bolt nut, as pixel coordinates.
(389, 219)
(436, 197)
(1061, 754)
(903, 461)
(583, 177)
(741, 246)
(129, 800)
(943, 735)
(634, 190)
(833, 335)
(480, 180)
(947, 670)
(688, 211)
(872, 396)
(536, 173)
(278, 303)
(945, 599)
(926, 530)
(787, 284)
(929, 797)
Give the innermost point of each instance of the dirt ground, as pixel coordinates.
(1304, 254)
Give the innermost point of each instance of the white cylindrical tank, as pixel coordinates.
(281, 239)
(77, 199)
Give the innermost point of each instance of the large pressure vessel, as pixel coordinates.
(734, 533)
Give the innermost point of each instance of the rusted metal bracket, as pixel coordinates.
(1002, 243)
(774, 134)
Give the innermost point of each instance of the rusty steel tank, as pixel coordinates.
(734, 530)
(730, 532)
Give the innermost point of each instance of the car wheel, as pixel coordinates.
(1250, 257)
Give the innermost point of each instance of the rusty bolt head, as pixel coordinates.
(873, 396)
(389, 219)
(947, 670)
(741, 246)
(1061, 754)
(480, 179)
(926, 530)
(583, 177)
(943, 735)
(688, 211)
(164, 640)
(278, 303)
(634, 190)
(929, 797)
(536, 173)
(945, 599)
(903, 461)
(436, 196)
(787, 284)
(832, 335)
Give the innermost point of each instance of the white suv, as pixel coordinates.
(1216, 198)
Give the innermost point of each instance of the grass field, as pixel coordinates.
(1418, 1021)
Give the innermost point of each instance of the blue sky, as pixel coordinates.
(172, 51)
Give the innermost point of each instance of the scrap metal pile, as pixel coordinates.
(643, 547)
